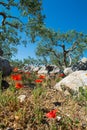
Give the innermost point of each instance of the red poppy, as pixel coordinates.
(51, 114)
(18, 85)
(61, 75)
(15, 69)
(38, 80)
(16, 77)
(42, 77)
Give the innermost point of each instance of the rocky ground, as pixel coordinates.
(30, 114)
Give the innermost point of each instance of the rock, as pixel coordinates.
(22, 98)
(68, 71)
(84, 60)
(56, 70)
(5, 67)
(10, 128)
(59, 118)
(4, 85)
(80, 65)
(36, 69)
(73, 81)
(43, 70)
(49, 68)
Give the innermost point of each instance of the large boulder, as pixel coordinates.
(5, 67)
(73, 81)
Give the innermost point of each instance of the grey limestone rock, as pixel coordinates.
(5, 67)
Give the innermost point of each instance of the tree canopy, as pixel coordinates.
(62, 48)
(17, 20)
(22, 22)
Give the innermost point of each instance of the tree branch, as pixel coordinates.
(12, 25)
(73, 47)
(9, 16)
(66, 52)
(51, 50)
(4, 4)
(4, 18)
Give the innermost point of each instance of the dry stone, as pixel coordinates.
(73, 81)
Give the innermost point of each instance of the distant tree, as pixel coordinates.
(35, 61)
(62, 48)
(17, 18)
(30, 61)
(17, 63)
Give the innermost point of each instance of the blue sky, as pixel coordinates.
(66, 14)
(61, 15)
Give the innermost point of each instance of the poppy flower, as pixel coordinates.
(16, 77)
(42, 77)
(15, 69)
(18, 85)
(38, 80)
(61, 75)
(51, 114)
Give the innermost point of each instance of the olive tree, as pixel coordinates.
(62, 48)
(17, 18)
